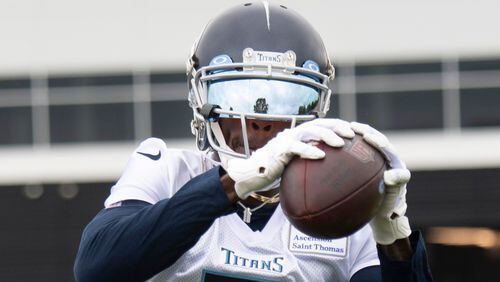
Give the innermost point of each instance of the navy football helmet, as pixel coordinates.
(256, 61)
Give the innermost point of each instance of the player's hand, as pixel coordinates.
(263, 169)
(390, 222)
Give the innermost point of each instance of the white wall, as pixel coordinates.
(97, 35)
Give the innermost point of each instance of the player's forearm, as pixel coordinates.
(395, 266)
(400, 250)
(228, 186)
(132, 243)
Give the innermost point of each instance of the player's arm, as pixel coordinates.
(137, 240)
(403, 260)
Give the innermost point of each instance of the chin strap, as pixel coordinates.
(270, 200)
(247, 212)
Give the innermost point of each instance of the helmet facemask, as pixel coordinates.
(265, 86)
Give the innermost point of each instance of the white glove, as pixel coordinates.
(390, 222)
(264, 167)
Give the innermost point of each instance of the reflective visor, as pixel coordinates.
(263, 96)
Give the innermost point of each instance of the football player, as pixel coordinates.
(258, 81)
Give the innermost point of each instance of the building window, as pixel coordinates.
(480, 65)
(89, 123)
(91, 80)
(159, 78)
(397, 68)
(401, 110)
(16, 126)
(171, 119)
(480, 107)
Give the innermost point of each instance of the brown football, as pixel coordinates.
(335, 196)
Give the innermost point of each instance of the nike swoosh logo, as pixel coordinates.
(153, 157)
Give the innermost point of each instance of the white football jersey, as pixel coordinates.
(229, 249)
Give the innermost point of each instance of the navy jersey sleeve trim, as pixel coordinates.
(367, 274)
(417, 269)
(136, 241)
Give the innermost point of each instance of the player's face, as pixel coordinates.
(259, 132)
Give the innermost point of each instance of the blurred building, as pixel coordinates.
(82, 83)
